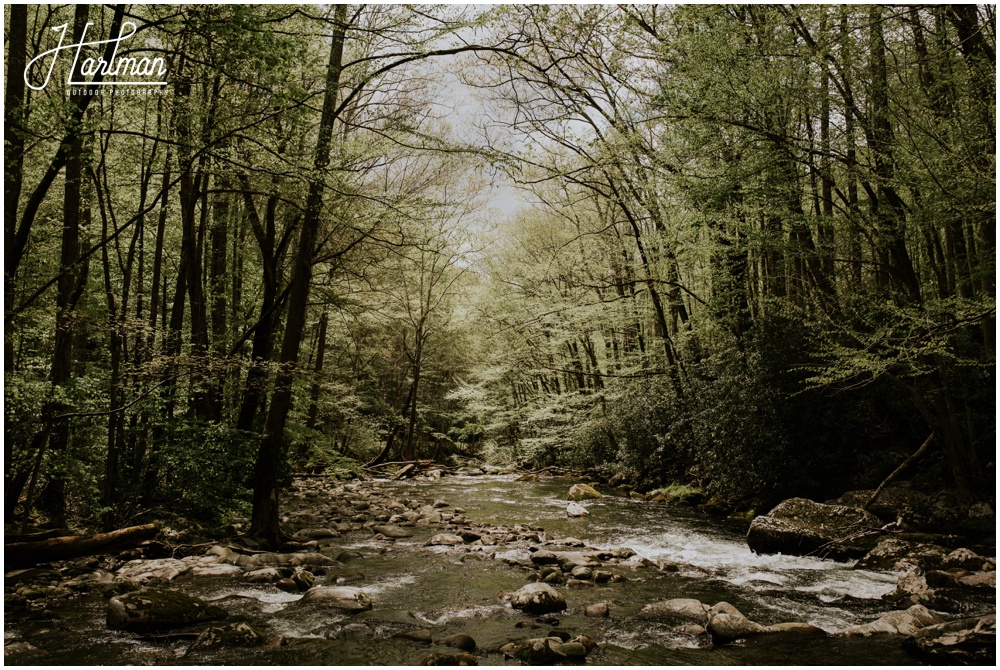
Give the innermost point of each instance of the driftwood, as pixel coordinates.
(406, 471)
(418, 463)
(902, 467)
(25, 554)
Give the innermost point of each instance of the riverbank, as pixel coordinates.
(441, 561)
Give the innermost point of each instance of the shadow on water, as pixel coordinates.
(450, 590)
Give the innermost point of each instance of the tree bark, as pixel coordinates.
(265, 522)
(25, 554)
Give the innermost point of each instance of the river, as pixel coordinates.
(451, 590)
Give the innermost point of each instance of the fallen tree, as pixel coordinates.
(25, 554)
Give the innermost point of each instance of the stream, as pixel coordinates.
(459, 590)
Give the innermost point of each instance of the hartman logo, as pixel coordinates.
(139, 71)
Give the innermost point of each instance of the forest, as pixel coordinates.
(744, 248)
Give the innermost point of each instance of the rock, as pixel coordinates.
(962, 642)
(726, 623)
(234, 635)
(538, 598)
(980, 581)
(570, 650)
(801, 527)
(393, 531)
(968, 560)
(890, 552)
(536, 651)
(265, 575)
(158, 609)
(287, 585)
(217, 570)
(678, 610)
(603, 576)
(449, 659)
(797, 628)
(583, 492)
(905, 622)
(459, 641)
(576, 510)
(304, 580)
(470, 536)
(582, 572)
(17, 648)
(163, 569)
(444, 540)
(597, 610)
(344, 598)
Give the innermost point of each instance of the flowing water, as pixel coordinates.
(451, 590)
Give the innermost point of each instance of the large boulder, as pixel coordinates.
(158, 609)
(538, 598)
(343, 598)
(904, 622)
(962, 642)
(802, 527)
(582, 492)
(895, 554)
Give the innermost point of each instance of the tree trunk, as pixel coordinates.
(24, 554)
(265, 522)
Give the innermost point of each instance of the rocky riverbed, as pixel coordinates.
(388, 573)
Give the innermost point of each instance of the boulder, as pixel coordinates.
(802, 527)
(905, 622)
(158, 609)
(583, 492)
(576, 510)
(343, 598)
(962, 642)
(891, 552)
(233, 635)
(538, 598)
(678, 611)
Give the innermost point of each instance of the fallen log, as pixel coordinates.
(406, 471)
(25, 554)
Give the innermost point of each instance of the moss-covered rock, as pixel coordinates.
(802, 527)
(583, 492)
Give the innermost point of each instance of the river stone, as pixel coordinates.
(536, 651)
(576, 510)
(313, 559)
(904, 622)
(597, 610)
(802, 527)
(233, 635)
(393, 531)
(449, 659)
(216, 570)
(444, 540)
(962, 642)
(158, 609)
(343, 598)
(582, 572)
(678, 610)
(459, 641)
(538, 598)
(583, 492)
(726, 623)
